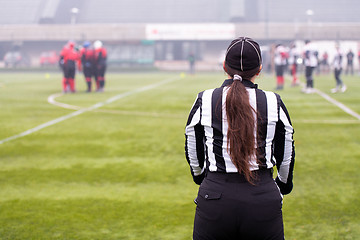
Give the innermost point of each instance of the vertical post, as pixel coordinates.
(74, 11)
(310, 14)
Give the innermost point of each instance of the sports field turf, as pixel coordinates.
(113, 166)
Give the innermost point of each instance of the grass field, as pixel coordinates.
(118, 171)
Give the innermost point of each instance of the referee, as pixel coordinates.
(235, 135)
(310, 62)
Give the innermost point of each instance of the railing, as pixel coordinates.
(136, 32)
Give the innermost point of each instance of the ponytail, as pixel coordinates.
(241, 122)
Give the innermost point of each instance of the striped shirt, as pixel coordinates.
(310, 55)
(206, 135)
(337, 62)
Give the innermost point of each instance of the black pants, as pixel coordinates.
(89, 71)
(230, 208)
(337, 73)
(309, 76)
(69, 69)
(100, 71)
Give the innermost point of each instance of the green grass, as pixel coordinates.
(119, 172)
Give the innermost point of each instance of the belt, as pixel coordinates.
(259, 175)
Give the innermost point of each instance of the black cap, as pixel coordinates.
(243, 54)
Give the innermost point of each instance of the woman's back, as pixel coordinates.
(235, 135)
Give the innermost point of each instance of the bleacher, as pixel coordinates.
(49, 9)
(154, 11)
(20, 11)
(63, 13)
(173, 11)
(42, 25)
(37, 11)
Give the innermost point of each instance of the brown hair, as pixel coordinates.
(241, 121)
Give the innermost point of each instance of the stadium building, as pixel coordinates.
(162, 31)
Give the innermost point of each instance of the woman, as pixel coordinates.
(235, 135)
(311, 62)
(337, 63)
(280, 60)
(100, 65)
(293, 62)
(69, 58)
(87, 58)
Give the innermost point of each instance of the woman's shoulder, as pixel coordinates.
(270, 94)
(206, 91)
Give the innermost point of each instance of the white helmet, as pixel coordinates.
(97, 44)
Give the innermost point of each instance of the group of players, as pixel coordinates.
(90, 59)
(284, 57)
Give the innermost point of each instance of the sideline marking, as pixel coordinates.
(333, 101)
(339, 104)
(83, 110)
(51, 100)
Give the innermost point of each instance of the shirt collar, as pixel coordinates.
(246, 83)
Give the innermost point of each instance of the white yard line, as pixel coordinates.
(51, 100)
(338, 104)
(83, 110)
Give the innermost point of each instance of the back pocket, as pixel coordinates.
(209, 195)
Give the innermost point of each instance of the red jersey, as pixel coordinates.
(87, 55)
(71, 55)
(100, 56)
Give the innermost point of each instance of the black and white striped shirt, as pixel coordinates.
(206, 135)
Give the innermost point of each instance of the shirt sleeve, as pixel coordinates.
(284, 150)
(194, 142)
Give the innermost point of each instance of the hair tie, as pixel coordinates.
(237, 78)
